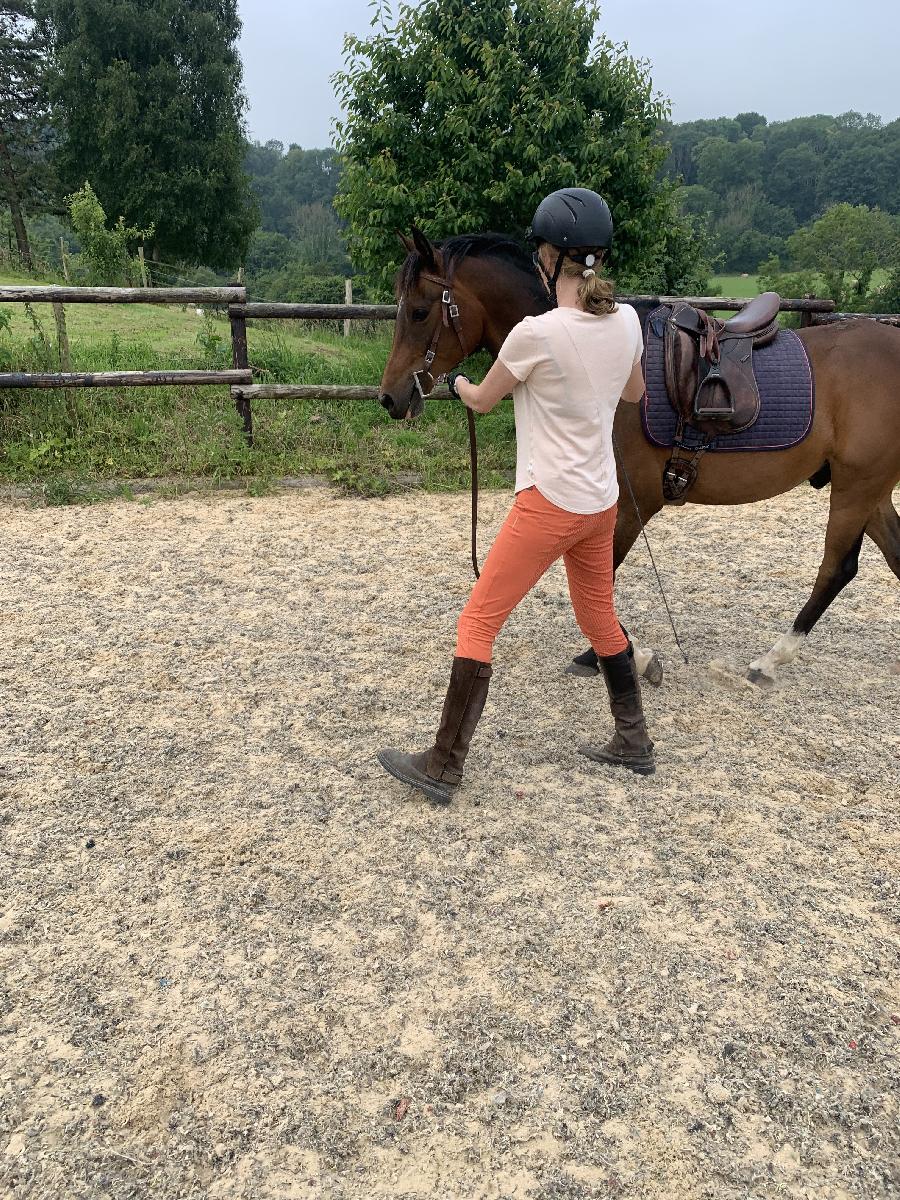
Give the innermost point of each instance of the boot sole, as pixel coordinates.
(434, 790)
(638, 766)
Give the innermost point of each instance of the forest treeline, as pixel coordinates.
(756, 183)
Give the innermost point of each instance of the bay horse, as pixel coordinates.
(854, 441)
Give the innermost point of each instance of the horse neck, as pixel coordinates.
(504, 296)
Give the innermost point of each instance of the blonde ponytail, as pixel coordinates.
(595, 294)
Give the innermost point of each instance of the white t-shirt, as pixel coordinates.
(572, 368)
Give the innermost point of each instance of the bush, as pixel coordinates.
(105, 252)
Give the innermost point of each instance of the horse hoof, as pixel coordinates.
(581, 670)
(653, 672)
(754, 675)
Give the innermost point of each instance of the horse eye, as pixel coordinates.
(420, 314)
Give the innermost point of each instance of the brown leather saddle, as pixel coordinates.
(710, 379)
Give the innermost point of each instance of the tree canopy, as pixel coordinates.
(462, 114)
(148, 108)
(846, 246)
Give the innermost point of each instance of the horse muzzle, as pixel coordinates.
(399, 410)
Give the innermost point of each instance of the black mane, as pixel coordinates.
(469, 245)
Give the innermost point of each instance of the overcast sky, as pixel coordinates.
(787, 59)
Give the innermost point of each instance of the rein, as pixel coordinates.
(450, 317)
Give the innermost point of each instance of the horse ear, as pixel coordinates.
(405, 242)
(424, 247)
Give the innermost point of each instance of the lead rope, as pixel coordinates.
(473, 460)
(649, 550)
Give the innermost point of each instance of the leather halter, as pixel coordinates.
(450, 316)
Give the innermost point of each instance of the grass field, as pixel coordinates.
(736, 285)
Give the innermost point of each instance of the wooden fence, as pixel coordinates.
(240, 311)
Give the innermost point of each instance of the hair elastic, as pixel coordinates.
(588, 273)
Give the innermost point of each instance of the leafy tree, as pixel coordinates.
(463, 114)
(699, 201)
(268, 251)
(814, 132)
(147, 105)
(24, 176)
(683, 140)
(847, 244)
(856, 121)
(106, 252)
(320, 239)
(793, 182)
(750, 121)
(887, 298)
(723, 166)
(854, 174)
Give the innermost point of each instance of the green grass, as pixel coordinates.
(736, 285)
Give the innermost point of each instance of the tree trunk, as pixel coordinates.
(15, 204)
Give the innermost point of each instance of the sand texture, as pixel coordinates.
(239, 961)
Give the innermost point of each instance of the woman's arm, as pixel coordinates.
(482, 397)
(635, 387)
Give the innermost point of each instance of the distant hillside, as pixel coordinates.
(758, 182)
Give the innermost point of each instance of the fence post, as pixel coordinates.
(348, 299)
(143, 266)
(62, 336)
(62, 255)
(240, 361)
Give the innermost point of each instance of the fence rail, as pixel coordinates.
(105, 379)
(314, 391)
(212, 297)
(807, 306)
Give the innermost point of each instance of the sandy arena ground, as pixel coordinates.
(239, 961)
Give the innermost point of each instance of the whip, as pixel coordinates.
(662, 591)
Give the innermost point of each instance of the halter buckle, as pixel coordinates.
(445, 299)
(454, 311)
(422, 393)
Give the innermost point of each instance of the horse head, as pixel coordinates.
(439, 323)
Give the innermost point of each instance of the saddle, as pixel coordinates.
(710, 379)
(709, 364)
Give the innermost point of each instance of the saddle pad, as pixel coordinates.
(787, 395)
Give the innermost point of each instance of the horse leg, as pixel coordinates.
(848, 519)
(646, 660)
(884, 530)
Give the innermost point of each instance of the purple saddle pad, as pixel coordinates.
(786, 391)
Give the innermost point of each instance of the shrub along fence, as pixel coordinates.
(240, 311)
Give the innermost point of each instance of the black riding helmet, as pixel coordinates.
(570, 217)
(573, 217)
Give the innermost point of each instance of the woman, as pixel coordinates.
(567, 370)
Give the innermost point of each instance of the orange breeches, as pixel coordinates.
(534, 535)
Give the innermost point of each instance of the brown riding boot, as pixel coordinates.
(630, 745)
(437, 772)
